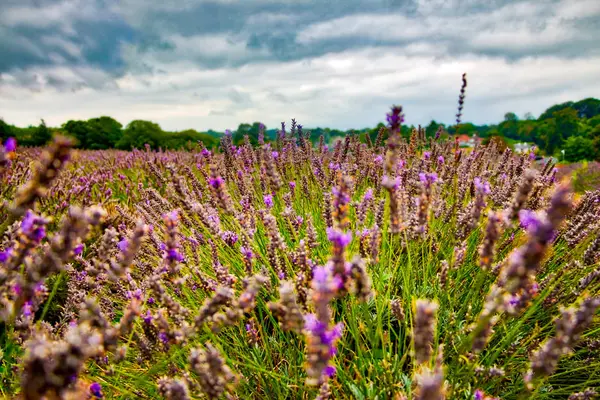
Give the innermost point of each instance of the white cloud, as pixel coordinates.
(352, 89)
(524, 25)
(192, 84)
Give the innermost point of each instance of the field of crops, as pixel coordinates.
(387, 270)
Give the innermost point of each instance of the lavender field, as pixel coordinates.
(391, 269)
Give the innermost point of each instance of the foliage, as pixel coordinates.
(95, 133)
(579, 148)
(586, 108)
(5, 130)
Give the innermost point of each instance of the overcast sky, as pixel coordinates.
(339, 63)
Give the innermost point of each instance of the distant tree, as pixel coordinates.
(187, 139)
(550, 137)
(5, 130)
(253, 132)
(465, 128)
(80, 130)
(138, 133)
(247, 129)
(510, 126)
(41, 135)
(587, 108)
(525, 130)
(238, 135)
(566, 122)
(528, 116)
(213, 133)
(578, 148)
(557, 107)
(103, 133)
(432, 128)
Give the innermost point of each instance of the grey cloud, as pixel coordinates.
(133, 35)
(239, 98)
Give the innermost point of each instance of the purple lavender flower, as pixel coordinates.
(147, 317)
(426, 155)
(216, 182)
(268, 199)
(174, 255)
(247, 252)
(33, 227)
(529, 220)
(483, 187)
(5, 255)
(96, 390)
(27, 309)
(532, 154)
(10, 145)
(440, 160)
(428, 178)
(324, 281)
(339, 238)
(395, 118)
(229, 237)
(163, 337)
(323, 338)
(78, 249)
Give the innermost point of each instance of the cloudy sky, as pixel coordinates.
(339, 63)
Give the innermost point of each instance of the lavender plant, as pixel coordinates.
(394, 269)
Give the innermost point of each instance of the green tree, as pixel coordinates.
(79, 130)
(567, 122)
(104, 133)
(254, 131)
(138, 133)
(41, 135)
(578, 148)
(587, 108)
(432, 128)
(510, 126)
(5, 130)
(238, 136)
(550, 137)
(247, 129)
(557, 107)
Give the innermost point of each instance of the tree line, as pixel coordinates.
(569, 130)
